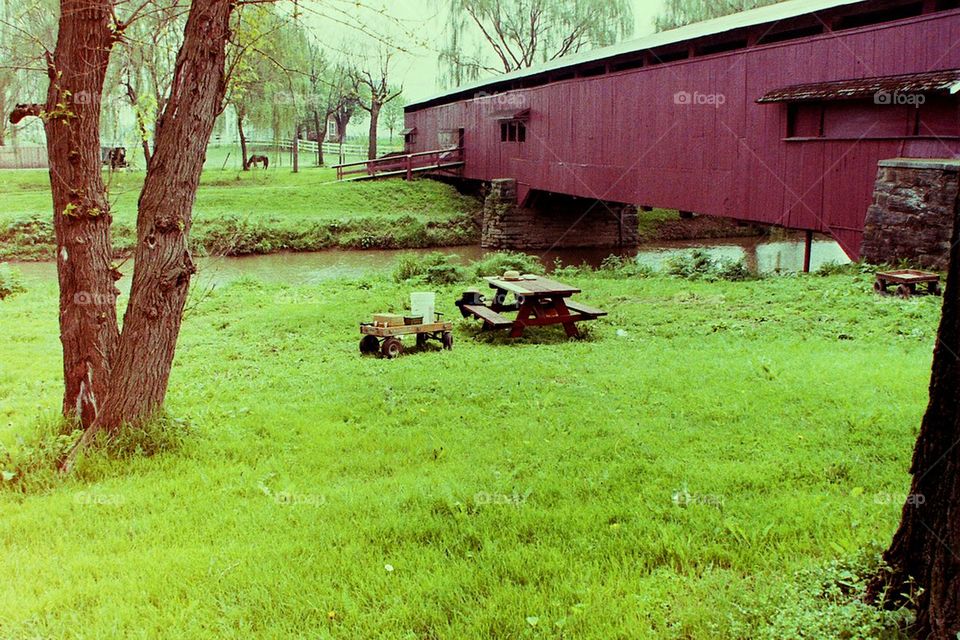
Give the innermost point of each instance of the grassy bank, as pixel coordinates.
(690, 470)
(241, 213)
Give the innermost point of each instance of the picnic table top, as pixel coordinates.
(532, 287)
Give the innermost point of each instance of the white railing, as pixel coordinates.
(331, 149)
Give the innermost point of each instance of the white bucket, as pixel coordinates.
(423, 304)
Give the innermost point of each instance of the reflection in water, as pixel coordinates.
(760, 254)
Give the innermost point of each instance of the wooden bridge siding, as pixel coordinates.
(621, 137)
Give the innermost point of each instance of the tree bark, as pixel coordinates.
(162, 261)
(243, 142)
(88, 315)
(321, 136)
(342, 118)
(925, 552)
(374, 119)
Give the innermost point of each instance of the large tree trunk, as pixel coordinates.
(342, 118)
(924, 552)
(243, 142)
(162, 261)
(88, 315)
(374, 119)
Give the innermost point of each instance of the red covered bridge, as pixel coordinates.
(778, 115)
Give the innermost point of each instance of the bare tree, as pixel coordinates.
(393, 115)
(521, 33)
(372, 88)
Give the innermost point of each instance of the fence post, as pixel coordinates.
(409, 167)
(296, 151)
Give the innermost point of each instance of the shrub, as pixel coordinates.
(851, 269)
(32, 463)
(495, 264)
(614, 266)
(32, 230)
(698, 265)
(431, 268)
(10, 281)
(829, 602)
(733, 270)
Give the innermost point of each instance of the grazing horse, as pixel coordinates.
(264, 161)
(116, 158)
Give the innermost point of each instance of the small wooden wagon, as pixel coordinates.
(387, 341)
(907, 282)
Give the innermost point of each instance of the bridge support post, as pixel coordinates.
(914, 205)
(554, 221)
(807, 251)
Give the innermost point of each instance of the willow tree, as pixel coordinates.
(500, 36)
(115, 378)
(923, 561)
(678, 13)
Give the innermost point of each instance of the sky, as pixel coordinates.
(416, 67)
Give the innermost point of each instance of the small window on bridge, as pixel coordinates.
(935, 117)
(513, 131)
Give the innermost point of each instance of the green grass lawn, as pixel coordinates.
(667, 477)
(259, 211)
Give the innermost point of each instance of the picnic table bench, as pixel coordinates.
(538, 302)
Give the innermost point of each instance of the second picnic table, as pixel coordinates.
(538, 302)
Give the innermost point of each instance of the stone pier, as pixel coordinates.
(554, 221)
(911, 218)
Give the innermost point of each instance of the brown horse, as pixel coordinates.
(263, 161)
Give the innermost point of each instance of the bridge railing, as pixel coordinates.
(403, 164)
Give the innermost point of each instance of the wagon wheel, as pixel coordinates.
(935, 289)
(369, 345)
(447, 340)
(904, 291)
(391, 348)
(880, 286)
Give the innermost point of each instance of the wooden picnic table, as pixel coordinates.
(538, 302)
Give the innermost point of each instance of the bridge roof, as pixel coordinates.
(762, 15)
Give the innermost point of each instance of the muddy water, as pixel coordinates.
(761, 254)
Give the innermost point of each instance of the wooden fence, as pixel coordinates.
(23, 157)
